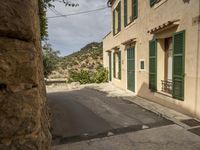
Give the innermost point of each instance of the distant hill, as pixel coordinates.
(90, 57)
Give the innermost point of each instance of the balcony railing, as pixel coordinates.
(167, 86)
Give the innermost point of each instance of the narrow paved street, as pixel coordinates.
(71, 118)
(90, 112)
(86, 118)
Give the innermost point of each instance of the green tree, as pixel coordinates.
(50, 59)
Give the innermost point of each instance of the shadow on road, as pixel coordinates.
(88, 113)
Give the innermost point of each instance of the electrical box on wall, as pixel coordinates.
(142, 65)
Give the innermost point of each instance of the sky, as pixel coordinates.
(69, 34)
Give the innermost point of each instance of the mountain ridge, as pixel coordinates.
(89, 58)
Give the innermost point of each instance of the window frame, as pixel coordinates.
(116, 68)
(132, 13)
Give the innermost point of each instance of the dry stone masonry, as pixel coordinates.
(23, 113)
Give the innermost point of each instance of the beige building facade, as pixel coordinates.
(153, 51)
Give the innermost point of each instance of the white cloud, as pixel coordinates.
(71, 33)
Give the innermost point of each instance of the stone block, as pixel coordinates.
(19, 64)
(17, 19)
(20, 113)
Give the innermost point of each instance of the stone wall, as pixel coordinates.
(24, 121)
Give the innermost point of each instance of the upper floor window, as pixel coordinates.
(130, 11)
(117, 19)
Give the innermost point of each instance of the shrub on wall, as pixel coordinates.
(101, 76)
(85, 76)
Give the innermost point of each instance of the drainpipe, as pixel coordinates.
(198, 65)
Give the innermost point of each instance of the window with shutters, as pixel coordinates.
(178, 65)
(117, 19)
(130, 11)
(169, 78)
(117, 64)
(167, 81)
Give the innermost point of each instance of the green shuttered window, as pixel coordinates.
(135, 9)
(178, 65)
(125, 13)
(114, 69)
(117, 27)
(119, 16)
(153, 65)
(119, 65)
(110, 66)
(114, 22)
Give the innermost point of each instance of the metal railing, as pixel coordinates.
(167, 86)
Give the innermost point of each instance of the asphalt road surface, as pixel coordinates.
(88, 112)
(71, 118)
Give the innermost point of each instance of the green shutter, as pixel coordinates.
(135, 9)
(153, 65)
(114, 70)
(119, 64)
(125, 13)
(152, 2)
(110, 66)
(178, 65)
(114, 22)
(119, 17)
(131, 69)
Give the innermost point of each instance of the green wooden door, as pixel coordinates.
(178, 65)
(131, 69)
(110, 66)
